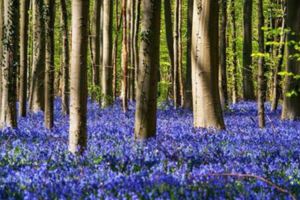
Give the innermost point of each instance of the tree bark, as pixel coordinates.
(107, 72)
(206, 98)
(1, 47)
(223, 56)
(291, 105)
(66, 57)
(261, 67)
(10, 63)
(24, 7)
(234, 51)
(136, 38)
(37, 98)
(50, 69)
(125, 57)
(248, 87)
(78, 81)
(188, 102)
(146, 105)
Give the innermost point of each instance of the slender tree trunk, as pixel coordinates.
(38, 66)
(132, 52)
(291, 105)
(115, 50)
(205, 65)
(10, 63)
(136, 38)
(66, 57)
(145, 116)
(107, 72)
(277, 79)
(49, 75)
(261, 67)
(78, 81)
(95, 41)
(169, 37)
(24, 7)
(234, 50)
(223, 56)
(248, 87)
(125, 57)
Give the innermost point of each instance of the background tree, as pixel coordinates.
(125, 57)
(78, 81)
(107, 52)
(235, 56)
(146, 96)
(36, 101)
(10, 63)
(291, 106)
(248, 87)
(49, 71)
(206, 99)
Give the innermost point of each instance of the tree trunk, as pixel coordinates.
(188, 102)
(66, 57)
(78, 81)
(248, 87)
(136, 38)
(49, 75)
(261, 67)
(145, 116)
(124, 57)
(36, 102)
(291, 105)
(95, 41)
(132, 52)
(10, 63)
(1, 47)
(107, 71)
(206, 98)
(24, 7)
(234, 51)
(223, 56)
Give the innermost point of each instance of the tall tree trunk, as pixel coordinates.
(10, 63)
(107, 71)
(206, 98)
(95, 41)
(169, 37)
(132, 52)
(124, 57)
(66, 57)
(223, 56)
(248, 87)
(291, 105)
(277, 79)
(261, 66)
(115, 50)
(188, 102)
(78, 81)
(49, 75)
(38, 66)
(234, 51)
(145, 116)
(136, 38)
(24, 7)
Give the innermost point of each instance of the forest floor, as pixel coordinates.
(180, 163)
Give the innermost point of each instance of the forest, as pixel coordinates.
(150, 99)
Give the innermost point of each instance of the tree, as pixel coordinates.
(24, 7)
(136, 37)
(78, 81)
(145, 116)
(248, 87)
(107, 53)
(188, 102)
(223, 56)
(125, 57)
(206, 99)
(1, 47)
(95, 41)
(10, 63)
(66, 57)
(234, 51)
(36, 101)
(291, 106)
(261, 66)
